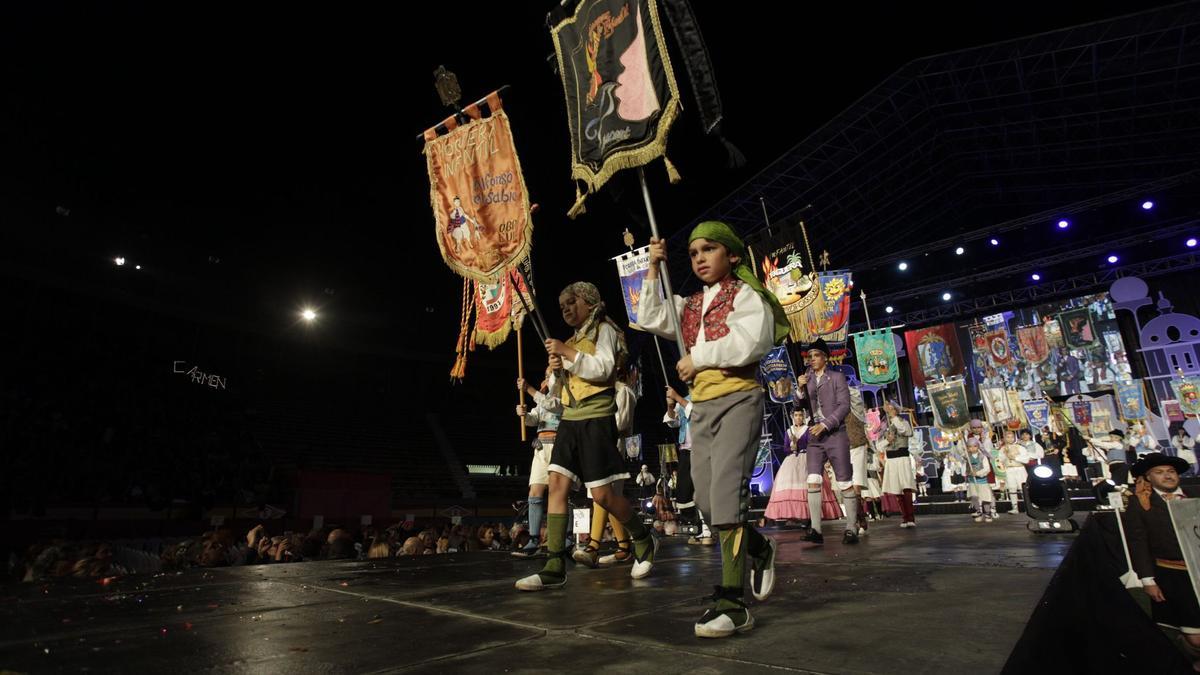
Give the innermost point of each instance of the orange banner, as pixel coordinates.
(480, 205)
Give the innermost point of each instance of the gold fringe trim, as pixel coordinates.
(440, 226)
(495, 338)
(634, 157)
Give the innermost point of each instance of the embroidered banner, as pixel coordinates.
(1077, 328)
(777, 374)
(480, 206)
(1187, 391)
(824, 312)
(782, 272)
(933, 353)
(494, 311)
(1131, 399)
(996, 405)
(632, 268)
(1081, 412)
(1033, 345)
(949, 402)
(998, 348)
(1173, 411)
(876, 350)
(620, 89)
(1038, 414)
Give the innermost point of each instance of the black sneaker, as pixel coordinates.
(814, 537)
(850, 537)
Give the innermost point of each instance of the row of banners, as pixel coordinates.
(621, 100)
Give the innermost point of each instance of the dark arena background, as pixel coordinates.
(230, 440)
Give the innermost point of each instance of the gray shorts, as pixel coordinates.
(725, 433)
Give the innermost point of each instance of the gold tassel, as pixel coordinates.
(578, 208)
(672, 172)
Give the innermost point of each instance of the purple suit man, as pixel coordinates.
(828, 396)
(829, 399)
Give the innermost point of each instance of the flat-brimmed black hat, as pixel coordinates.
(820, 346)
(1117, 432)
(1147, 462)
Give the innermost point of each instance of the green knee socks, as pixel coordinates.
(556, 534)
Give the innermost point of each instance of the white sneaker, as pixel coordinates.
(534, 582)
(912, 523)
(714, 625)
(988, 519)
(977, 518)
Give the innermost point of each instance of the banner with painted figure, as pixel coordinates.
(497, 310)
(1032, 342)
(876, 350)
(995, 404)
(477, 191)
(1081, 412)
(620, 89)
(949, 402)
(1038, 413)
(1131, 399)
(1187, 391)
(632, 268)
(933, 354)
(777, 375)
(1077, 330)
(941, 441)
(1019, 420)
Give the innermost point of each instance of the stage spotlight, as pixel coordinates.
(137, 267)
(1047, 503)
(120, 261)
(1147, 205)
(1035, 276)
(1191, 243)
(309, 315)
(902, 266)
(959, 250)
(1063, 224)
(946, 296)
(995, 242)
(1112, 259)
(889, 309)
(649, 504)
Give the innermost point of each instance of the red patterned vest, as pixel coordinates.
(715, 327)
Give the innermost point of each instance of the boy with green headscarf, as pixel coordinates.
(727, 328)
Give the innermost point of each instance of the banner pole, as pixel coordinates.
(863, 296)
(521, 374)
(662, 269)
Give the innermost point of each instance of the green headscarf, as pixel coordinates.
(721, 233)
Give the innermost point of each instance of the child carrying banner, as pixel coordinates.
(585, 449)
(727, 328)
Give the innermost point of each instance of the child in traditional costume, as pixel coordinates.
(585, 449)
(727, 328)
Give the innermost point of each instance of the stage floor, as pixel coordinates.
(949, 596)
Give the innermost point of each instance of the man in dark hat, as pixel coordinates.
(1154, 548)
(828, 396)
